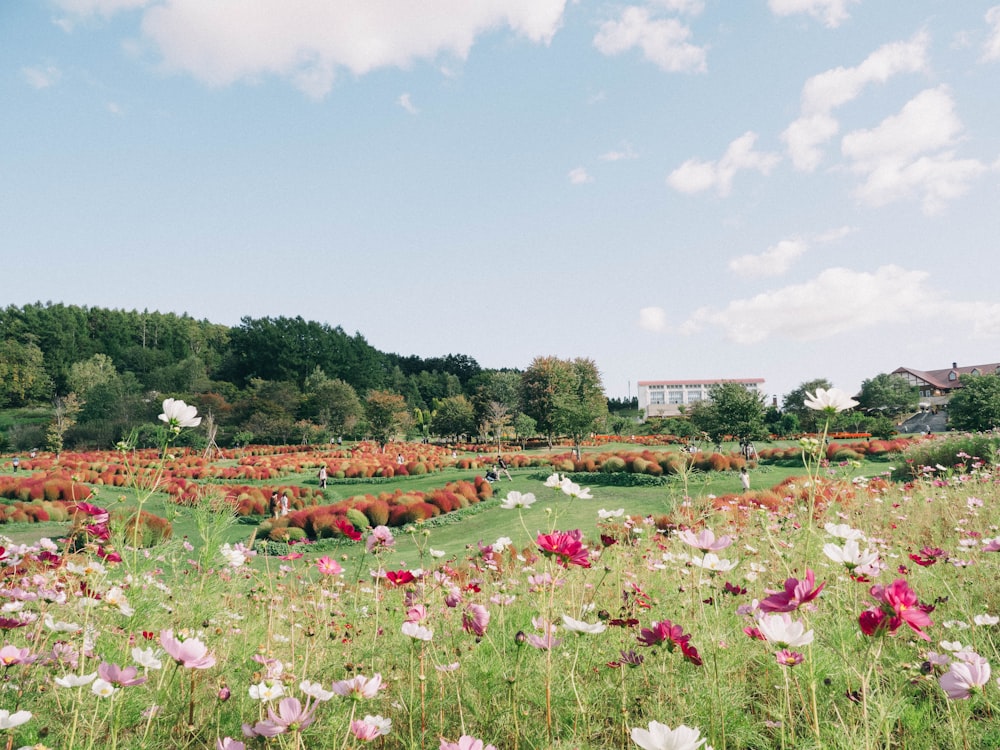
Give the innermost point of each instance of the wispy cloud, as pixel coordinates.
(841, 300)
(911, 154)
(626, 152)
(991, 49)
(780, 257)
(405, 102)
(825, 92)
(663, 41)
(579, 176)
(695, 176)
(831, 12)
(41, 77)
(653, 319)
(308, 42)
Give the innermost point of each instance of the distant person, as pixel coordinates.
(322, 477)
(501, 468)
(17, 463)
(399, 459)
(283, 504)
(272, 504)
(745, 478)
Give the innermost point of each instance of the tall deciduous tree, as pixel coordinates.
(888, 393)
(794, 403)
(976, 405)
(23, 379)
(732, 410)
(387, 415)
(454, 416)
(564, 396)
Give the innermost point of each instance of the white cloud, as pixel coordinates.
(911, 155)
(774, 261)
(626, 152)
(833, 88)
(41, 77)
(115, 109)
(653, 319)
(685, 7)
(308, 42)
(663, 41)
(405, 103)
(579, 176)
(837, 301)
(991, 49)
(831, 12)
(695, 176)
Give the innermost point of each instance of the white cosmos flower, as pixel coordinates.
(711, 561)
(554, 481)
(60, 627)
(986, 619)
(502, 543)
(572, 489)
(782, 631)
(850, 555)
(578, 626)
(661, 737)
(73, 680)
(517, 500)
(605, 514)
(146, 658)
(844, 531)
(177, 414)
(10, 720)
(315, 690)
(436, 552)
(834, 400)
(267, 690)
(103, 688)
(417, 632)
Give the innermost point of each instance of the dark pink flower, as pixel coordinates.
(116, 675)
(896, 604)
(475, 619)
(796, 593)
(565, 547)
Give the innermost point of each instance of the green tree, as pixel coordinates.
(524, 427)
(332, 403)
(454, 416)
(541, 384)
(23, 379)
(794, 403)
(888, 393)
(583, 404)
(387, 414)
(976, 405)
(732, 410)
(64, 416)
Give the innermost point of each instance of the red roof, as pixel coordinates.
(943, 380)
(711, 381)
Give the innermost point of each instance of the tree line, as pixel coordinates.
(100, 375)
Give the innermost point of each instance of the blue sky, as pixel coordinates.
(678, 189)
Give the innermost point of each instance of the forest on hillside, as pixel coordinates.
(87, 377)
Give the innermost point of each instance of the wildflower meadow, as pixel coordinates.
(841, 608)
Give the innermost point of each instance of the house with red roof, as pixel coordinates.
(936, 386)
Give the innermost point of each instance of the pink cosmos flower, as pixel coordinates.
(126, 677)
(370, 727)
(11, 655)
(796, 593)
(788, 658)
(565, 547)
(228, 743)
(359, 686)
(965, 676)
(673, 636)
(897, 604)
(291, 716)
(328, 566)
(704, 540)
(380, 538)
(475, 619)
(189, 652)
(416, 613)
(465, 742)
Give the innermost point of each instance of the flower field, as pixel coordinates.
(851, 614)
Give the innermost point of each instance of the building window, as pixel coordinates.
(655, 397)
(975, 371)
(677, 397)
(952, 375)
(694, 396)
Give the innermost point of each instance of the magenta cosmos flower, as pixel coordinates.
(673, 636)
(475, 619)
(896, 604)
(465, 742)
(328, 566)
(565, 547)
(796, 594)
(188, 652)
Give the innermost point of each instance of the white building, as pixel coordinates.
(664, 398)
